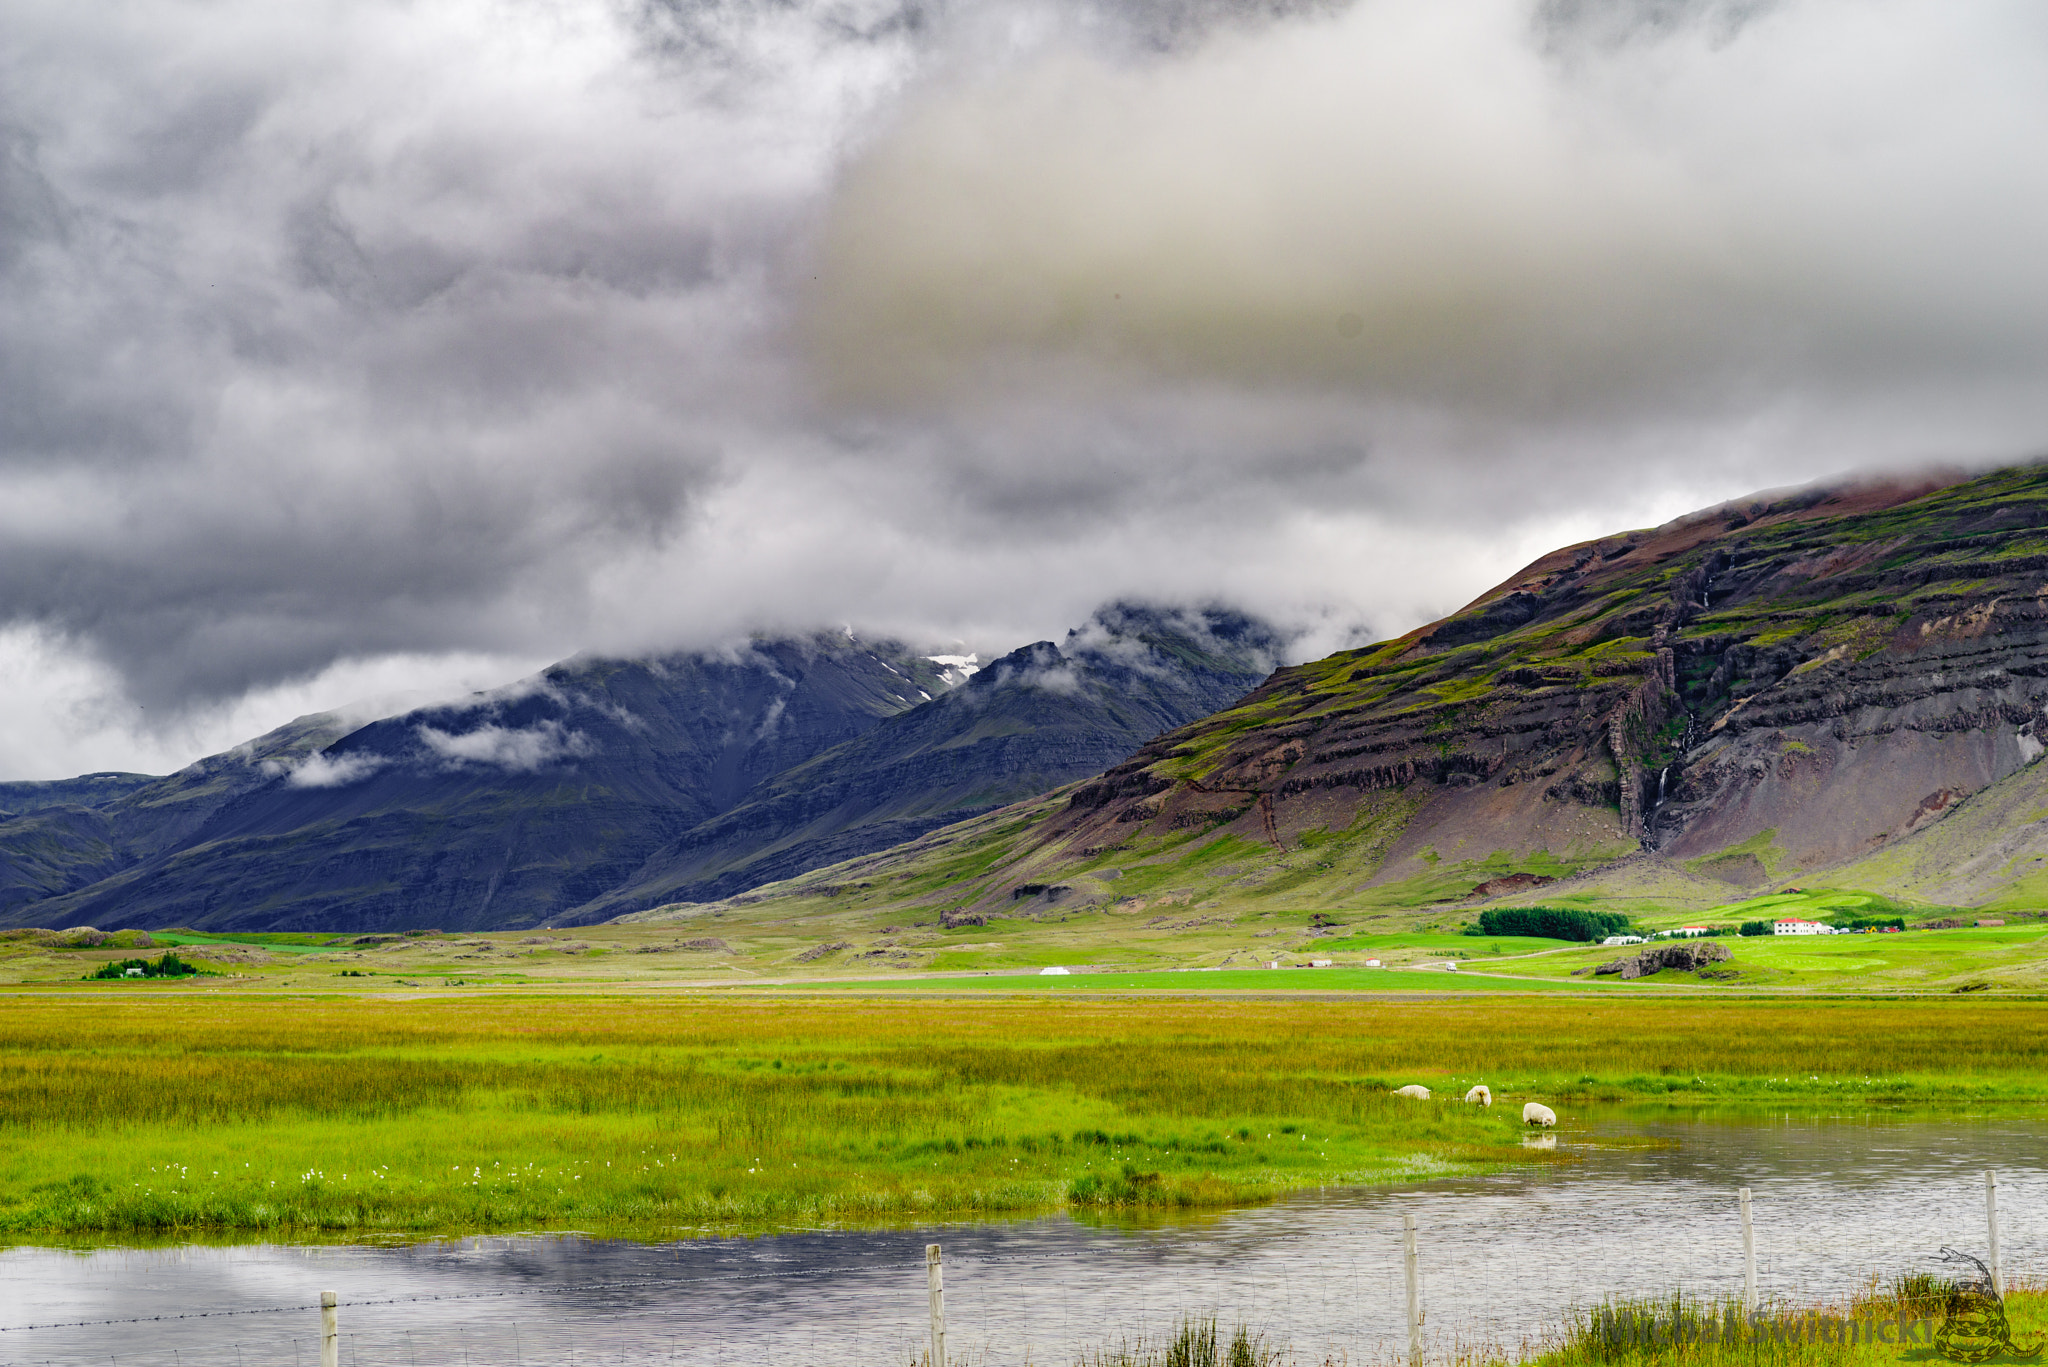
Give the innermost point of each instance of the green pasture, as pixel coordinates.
(286, 942)
(270, 1115)
(1963, 959)
(1447, 943)
(1332, 979)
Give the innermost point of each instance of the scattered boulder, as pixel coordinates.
(1536, 1113)
(1687, 956)
(820, 951)
(1481, 1094)
(1413, 1092)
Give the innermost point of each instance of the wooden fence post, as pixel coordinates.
(1414, 1290)
(1991, 1214)
(935, 1281)
(1748, 1259)
(330, 1332)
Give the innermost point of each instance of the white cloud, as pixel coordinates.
(68, 712)
(521, 749)
(1432, 206)
(319, 771)
(349, 349)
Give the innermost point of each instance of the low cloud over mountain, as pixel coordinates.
(354, 350)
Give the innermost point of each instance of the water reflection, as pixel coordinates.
(1643, 1203)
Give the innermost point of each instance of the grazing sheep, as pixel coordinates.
(1413, 1092)
(1481, 1094)
(1536, 1113)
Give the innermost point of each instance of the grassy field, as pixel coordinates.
(184, 1113)
(1962, 960)
(1881, 1327)
(1333, 979)
(745, 944)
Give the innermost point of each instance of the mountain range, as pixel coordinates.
(1840, 686)
(1843, 686)
(603, 786)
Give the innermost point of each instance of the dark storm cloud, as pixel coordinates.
(336, 340)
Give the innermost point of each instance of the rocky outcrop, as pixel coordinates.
(1685, 957)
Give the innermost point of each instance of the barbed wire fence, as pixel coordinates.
(1323, 1281)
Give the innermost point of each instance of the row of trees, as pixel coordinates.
(1552, 923)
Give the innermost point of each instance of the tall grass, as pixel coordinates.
(353, 1115)
(1193, 1344)
(1883, 1324)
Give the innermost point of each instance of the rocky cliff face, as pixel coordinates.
(1744, 695)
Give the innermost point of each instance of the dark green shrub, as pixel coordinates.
(169, 966)
(1552, 923)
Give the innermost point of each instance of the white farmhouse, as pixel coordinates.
(1801, 928)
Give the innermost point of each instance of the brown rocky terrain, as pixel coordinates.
(1739, 697)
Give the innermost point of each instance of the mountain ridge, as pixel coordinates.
(544, 800)
(1756, 693)
(1031, 720)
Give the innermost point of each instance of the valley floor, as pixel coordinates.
(1106, 948)
(180, 1111)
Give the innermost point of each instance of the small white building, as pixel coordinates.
(1372, 963)
(1690, 931)
(1801, 928)
(1052, 972)
(1320, 963)
(1451, 967)
(1622, 940)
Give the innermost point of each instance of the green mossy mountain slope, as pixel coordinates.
(1844, 685)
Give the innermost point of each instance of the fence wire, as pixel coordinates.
(1502, 1260)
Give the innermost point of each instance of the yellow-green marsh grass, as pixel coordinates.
(359, 1115)
(1900, 1324)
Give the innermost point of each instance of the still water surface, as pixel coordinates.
(1649, 1206)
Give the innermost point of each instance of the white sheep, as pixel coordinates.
(1481, 1094)
(1413, 1092)
(1536, 1113)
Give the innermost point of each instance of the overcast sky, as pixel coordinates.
(352, 349)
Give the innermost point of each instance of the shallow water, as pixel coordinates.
(1649, 1207)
